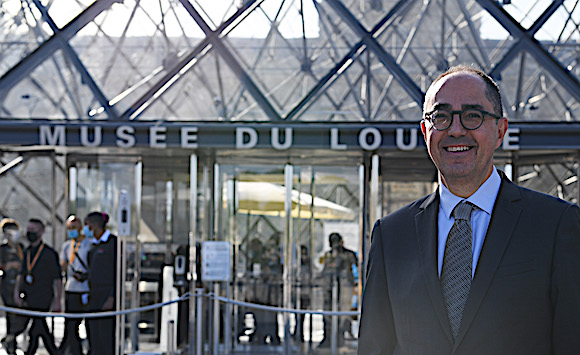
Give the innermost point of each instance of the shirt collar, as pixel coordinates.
(483, 198)
(103, 238)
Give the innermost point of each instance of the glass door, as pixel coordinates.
(97, 186)
(279, 220)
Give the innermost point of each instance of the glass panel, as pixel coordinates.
(327, 276)
(253, 218)
(98, 187)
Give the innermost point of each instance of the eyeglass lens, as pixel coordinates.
(470, 118)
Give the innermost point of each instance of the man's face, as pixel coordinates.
(73, 225)
(35, 228)
(335, 242)
(462, 155)
(34, 232)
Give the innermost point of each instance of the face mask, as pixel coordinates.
(32, 236)
(87, 232)
(13, 234)
(72, 233)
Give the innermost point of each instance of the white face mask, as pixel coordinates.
(12, 234)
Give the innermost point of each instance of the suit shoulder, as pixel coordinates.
(405, 212)
(543, 200)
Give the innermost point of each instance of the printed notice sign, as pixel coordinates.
(215, 261)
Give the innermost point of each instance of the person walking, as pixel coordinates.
(74, 263)
(11, 256)
(39, 287)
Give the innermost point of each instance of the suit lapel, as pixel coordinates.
(426, 228)
(503, 221)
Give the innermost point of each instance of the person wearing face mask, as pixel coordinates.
(339, 264)
(39, 287)
(102, 259)
(74, 262)
(11, 255)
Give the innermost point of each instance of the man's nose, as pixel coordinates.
(456, 129)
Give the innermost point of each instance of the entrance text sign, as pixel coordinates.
(215, 261)
(372, 136)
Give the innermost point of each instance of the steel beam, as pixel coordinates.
(174, 74)
(513, 51)
(50, 46)
(330, 77)
(32, 191)
(382, 55)
(231, 61)
(79, 66)
(531, 45)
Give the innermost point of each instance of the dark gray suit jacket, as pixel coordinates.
(525, 294)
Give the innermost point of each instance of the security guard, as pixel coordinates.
(102, 284)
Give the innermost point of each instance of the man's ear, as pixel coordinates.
(424, 130)
(502, 126)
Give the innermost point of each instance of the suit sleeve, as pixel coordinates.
(566, 284)
(376, 331)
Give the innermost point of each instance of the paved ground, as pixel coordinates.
(240, 349)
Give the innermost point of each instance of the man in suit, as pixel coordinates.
(500, 274)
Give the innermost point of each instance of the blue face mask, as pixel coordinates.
(72, 233)
(87, 232)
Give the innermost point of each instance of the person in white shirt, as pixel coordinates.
(74, 262)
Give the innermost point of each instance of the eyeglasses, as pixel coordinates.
(471, 118)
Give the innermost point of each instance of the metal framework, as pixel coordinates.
(279, 60)
(283, 60)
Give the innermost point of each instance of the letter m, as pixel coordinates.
(48, 136)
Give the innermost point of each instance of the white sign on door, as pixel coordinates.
(215, 261)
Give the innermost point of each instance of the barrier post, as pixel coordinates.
(216, 319)
(334, 317)
(170, 337)
(199, 317)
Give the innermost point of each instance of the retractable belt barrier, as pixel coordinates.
(184, 297)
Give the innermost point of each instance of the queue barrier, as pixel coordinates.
(185, 296)
(199, 295)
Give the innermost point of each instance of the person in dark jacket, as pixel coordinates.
(11, 256)
(39, 286)
(102, 260)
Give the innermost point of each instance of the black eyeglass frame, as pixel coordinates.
(427, 116)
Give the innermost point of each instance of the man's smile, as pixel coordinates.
(458, 148)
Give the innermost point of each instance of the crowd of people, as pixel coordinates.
(33, 276)
(262, 284)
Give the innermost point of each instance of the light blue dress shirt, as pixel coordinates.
(484, 199)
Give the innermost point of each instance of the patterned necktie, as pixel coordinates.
(456, 271)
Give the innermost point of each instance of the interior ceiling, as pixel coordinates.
(279, 60)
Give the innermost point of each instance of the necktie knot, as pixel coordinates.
(463, 210)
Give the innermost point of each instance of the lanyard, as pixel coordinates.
(29, 266)
(18, 249)
(73, 251)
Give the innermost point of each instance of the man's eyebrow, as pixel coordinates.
(438, 106)
(471, 106)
